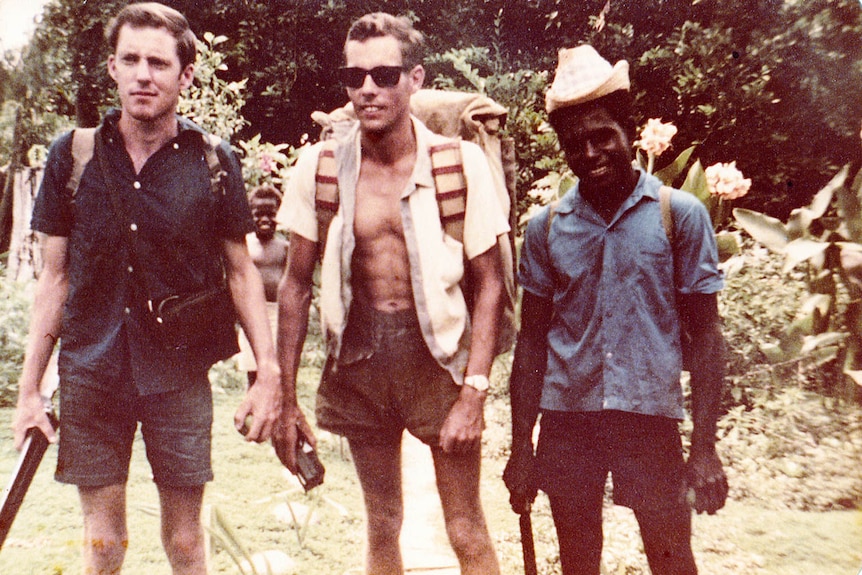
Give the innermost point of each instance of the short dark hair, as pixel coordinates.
(380, 24)
(155, 15)
(266, 192)
(619, 104)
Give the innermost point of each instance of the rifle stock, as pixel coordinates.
(34, 448)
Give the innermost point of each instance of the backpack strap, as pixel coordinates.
(666, 212)
(326, 198)
(447, 167)
(83, 144)
(211, 143)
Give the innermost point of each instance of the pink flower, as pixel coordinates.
(267, 164)
(726, 181)
(656, 137)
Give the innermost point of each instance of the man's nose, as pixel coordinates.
(143, 73)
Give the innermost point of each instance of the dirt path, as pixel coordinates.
(424, 544)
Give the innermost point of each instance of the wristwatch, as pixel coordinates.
(477, 382)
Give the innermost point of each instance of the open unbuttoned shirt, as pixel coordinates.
(436, 260)
(180, 224)
(613, 342)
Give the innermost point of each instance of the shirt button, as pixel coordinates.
(128, 311)
(133, 227)
(137, 185)
(131, 269)
(176, 146)
(609, 355)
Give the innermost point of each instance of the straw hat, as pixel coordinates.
(583, 75)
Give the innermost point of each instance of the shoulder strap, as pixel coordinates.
(326, 198)
(447, 167)
(83, 143)
(666, 212)
(211, 143)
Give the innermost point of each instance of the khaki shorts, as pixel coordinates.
(386, 382)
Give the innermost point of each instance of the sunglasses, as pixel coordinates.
(383, 76)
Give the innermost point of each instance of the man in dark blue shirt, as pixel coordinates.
(94, 290)
(606, 296)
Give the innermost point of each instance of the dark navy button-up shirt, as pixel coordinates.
(180, 225)
(614, 338)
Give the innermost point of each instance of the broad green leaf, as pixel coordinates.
(765, 229)
(801, 250)
(695, 182)
(669, 173)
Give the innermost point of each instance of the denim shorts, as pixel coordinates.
(643, 454)
(386, 382)
(97, 430)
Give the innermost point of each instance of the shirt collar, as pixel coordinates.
(422, 176)
(647, 187)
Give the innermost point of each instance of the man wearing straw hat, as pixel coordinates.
(606, 296)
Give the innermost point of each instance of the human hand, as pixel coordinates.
(285, 435)
(707, 481)
(520, 478)
(462, 430)
(260, 409)
(31, 412)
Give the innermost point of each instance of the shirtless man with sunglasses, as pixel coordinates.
(403, 353)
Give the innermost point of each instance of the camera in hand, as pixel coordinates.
(309, 468)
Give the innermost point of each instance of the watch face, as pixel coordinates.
(479, 382)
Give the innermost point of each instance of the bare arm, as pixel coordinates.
(294, 298)
(462, 430)
(699, 314)
(263, 400)
(525, 392)
(51, 291)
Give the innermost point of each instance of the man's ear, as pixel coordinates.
(112, 67)
(417, 78)
(187, 76)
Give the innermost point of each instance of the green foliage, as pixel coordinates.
(211, 102)
(15, 303)
(825, 237)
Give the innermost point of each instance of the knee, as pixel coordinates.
(384, 528)
(106, 550)
(469, 536)
(184, 547)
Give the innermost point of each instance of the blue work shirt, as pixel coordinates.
(106, 335)
(613, 342)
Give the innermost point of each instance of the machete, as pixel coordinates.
(529, 548)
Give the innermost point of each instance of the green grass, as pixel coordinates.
(744, 538)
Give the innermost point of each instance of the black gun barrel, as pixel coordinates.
(34, 448)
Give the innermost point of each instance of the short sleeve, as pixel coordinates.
(695, 249)
(297, 212)
(52, 210)
(484, 219)
(235, 214)
(535, 269)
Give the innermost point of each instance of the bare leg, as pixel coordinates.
(667, 541)
(458, 485)
(105, 534)
(182, 533)
(379, 471)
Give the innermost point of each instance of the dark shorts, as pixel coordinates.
(643, 454)
(386, 382)
(97, 430)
